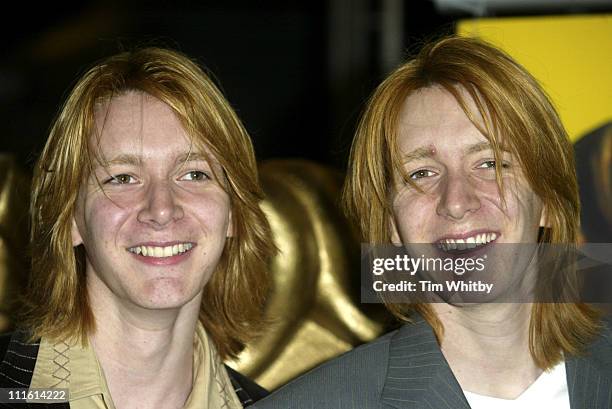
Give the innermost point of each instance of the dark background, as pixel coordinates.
(298, 73)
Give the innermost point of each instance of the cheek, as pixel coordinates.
(213, 212)
(531, 211)
(523, 207)
(102, 218)
(486, 190)
(413, 214)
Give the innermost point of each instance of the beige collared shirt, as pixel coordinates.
(63, 365)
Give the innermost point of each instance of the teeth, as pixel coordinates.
(159, 252)
(460, 244)
(471, 242)
(468, 243)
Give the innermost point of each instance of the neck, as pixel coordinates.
(487, 347)
(146, 355)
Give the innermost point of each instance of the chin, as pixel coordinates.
(167, 293)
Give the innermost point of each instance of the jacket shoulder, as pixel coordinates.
(5, 339)
(354, 379)
(18, 359)
(600, 350)
(247, 391)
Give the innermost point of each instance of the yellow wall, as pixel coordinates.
(571, 56)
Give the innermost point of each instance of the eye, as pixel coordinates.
(195, 175)
(422, 173)
(122, 179)
(491, 164)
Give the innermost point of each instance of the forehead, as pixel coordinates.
(133, 121)
(433, 113)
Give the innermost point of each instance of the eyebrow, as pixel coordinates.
(192, 156)
(429, 151)
(420, 153)
(124, 159)
(135, 160)
(478, 147)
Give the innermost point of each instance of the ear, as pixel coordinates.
(76, 234)
(395, 238)
(230, 226)
(544, 221)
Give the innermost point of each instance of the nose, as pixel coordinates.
(458, 197)
(160, 207)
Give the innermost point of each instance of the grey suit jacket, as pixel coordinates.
(406, 369)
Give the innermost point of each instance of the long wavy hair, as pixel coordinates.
(514, 107)
(56, 304)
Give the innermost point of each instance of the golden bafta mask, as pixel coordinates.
(14, 198)
(314, 305)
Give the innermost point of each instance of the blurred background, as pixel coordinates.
(298, 74)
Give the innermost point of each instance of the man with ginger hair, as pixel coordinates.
(149, 245)
(460, 148)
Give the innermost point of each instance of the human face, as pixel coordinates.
(460, 206)
(155, 225)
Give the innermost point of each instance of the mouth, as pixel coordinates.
(157, 251)
(462, 245)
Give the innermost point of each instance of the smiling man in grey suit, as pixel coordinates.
(461, 148)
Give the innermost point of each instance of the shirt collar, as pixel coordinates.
(71, 365)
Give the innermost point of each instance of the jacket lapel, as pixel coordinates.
(418, 376)
(589, 378)
(17, 368)
(18, 365)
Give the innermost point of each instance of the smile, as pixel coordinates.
(161, 252)
(471, 242)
